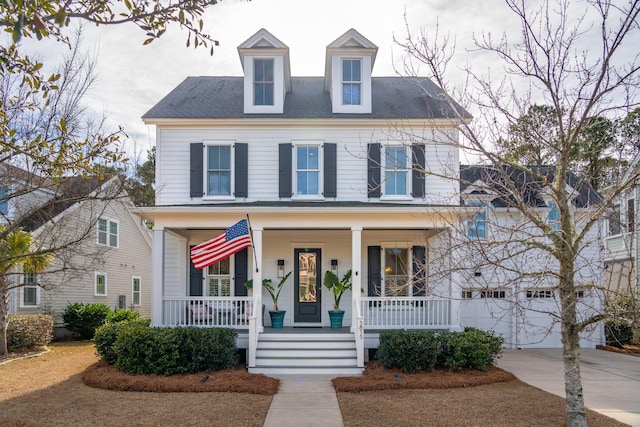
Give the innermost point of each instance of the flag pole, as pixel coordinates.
(255, 259)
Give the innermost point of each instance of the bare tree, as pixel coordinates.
(579, 58)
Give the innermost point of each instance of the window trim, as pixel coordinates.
(407, 170)
(109, 221)
(294, 163)
(611, 217)
(272, 83)
(408, 246)
(133, 291)
(97, 274)
(205, 168)
(24, 286)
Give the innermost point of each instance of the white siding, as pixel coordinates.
(175, 265)
(173, 161)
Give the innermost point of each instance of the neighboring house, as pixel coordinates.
(621, 238)
(511, 299)
(330, 171)
(112, 263)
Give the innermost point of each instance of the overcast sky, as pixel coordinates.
(132, 77)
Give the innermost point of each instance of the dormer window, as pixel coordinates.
(263, 82)
(351, 81)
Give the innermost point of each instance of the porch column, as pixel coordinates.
(257, 276)
(455, 283)
(356, 268)
(157, 276)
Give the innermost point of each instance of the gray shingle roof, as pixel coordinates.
(222, 98)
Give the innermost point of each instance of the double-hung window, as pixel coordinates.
(263, 81)
(613, 221)
(29, 290)
(100, 284)
(219, 279)
(477, 227)
(396, 170)
(219, 176)
(308, 163)
(351, 81)
(396, 271)
(554, 216)
(136, 290)
(108, 232)
(4, 200)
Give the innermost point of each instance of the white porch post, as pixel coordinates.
(157, 276)
(255, 321)
(455, 279)
(357, 320)
(356, 268)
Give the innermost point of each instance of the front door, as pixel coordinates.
(307, 286)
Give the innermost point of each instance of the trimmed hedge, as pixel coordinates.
(618, 333)
(410, 351)
(122, 315)
(29, 331)
(136, 348)
(83, 319)
(106, 336)
(413, 351)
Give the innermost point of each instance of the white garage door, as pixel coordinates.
(489, 311)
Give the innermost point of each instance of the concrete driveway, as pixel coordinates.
(610, 381)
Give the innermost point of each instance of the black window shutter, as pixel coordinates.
(417, 170)
(373, 170)
(195, 277)
(242, 170)
(195, 169)
(330, 170)
(419, 269)
(240, 271)
(284, 170)
(374, 265)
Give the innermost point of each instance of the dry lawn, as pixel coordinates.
(49, 390)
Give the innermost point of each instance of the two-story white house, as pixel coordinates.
(111, 262)
(340, 172)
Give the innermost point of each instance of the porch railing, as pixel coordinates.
(229, 312)
(405, 312)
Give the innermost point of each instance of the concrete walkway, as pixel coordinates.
(610, 381)
(304, 400)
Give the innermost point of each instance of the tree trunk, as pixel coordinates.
(4, 315)
(576, 411)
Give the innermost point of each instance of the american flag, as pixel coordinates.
(233, 240)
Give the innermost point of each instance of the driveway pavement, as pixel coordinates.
(610, 381)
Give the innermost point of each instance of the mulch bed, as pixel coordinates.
(376, 377)
(631, 349)
(236, 380)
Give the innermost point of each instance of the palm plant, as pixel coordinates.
(17, 253)
(337, 286)
(274, 291)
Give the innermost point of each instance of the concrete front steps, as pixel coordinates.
(304, 353)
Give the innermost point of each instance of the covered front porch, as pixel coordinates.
(396, 259)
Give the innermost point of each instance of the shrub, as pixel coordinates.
(618, 333)
(83, 319)
(122, 315)
(472, 348)
(167, 351)
(410, 351)
(29, 331)
(107, 334)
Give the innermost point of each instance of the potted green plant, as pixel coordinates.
(337, 287)
(277, 316)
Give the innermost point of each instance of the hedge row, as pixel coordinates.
(413, 351)
(136, 348)
(29, 331)
(83, 319)
(618, 333)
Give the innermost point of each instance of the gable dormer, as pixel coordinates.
(267, 73)
(348, 66)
